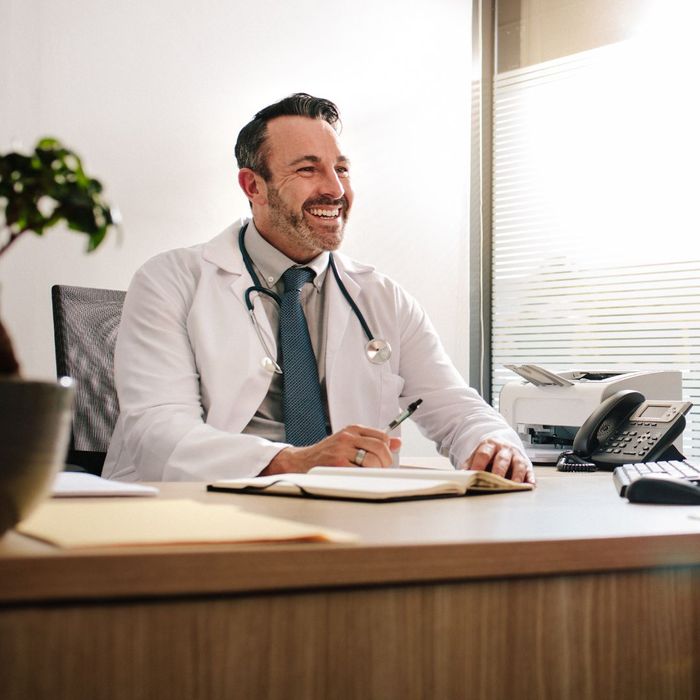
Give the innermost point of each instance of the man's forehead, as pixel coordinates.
(293, 137)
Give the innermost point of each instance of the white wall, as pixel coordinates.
(152, 95)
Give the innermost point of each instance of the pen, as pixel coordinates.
(403, 415)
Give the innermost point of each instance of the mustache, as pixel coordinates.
(327, 201)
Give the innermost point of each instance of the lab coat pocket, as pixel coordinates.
(391, 387)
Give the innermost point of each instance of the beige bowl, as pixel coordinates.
(35, 424)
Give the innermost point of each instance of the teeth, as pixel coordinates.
(326, 213)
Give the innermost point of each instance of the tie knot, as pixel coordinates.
(296, 277)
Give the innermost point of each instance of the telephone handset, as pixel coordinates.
(627, 428)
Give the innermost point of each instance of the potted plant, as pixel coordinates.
(38, 191)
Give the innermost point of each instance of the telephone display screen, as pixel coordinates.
(651, 412)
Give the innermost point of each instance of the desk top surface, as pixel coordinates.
(571, 523)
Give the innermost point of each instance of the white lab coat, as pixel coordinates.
(189, 376)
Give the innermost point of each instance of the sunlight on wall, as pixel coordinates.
(630, 110)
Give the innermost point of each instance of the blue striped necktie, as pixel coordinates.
(304, 416)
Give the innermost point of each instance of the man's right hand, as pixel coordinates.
(338, 450)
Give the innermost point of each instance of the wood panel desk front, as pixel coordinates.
(565, 592)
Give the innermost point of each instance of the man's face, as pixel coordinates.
(308, 196)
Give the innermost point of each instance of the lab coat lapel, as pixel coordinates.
(238, 287)
(235, 366)
(339, 313)
(223, 251)
(353, 382)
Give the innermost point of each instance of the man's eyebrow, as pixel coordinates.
(301, 159)
(316, 159)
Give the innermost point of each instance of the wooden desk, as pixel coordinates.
(565, 592)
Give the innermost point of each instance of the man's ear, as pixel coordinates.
(254, 187)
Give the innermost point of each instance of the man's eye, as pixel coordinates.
(306, 169)
(343, 171)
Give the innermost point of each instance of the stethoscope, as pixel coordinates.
(378, 351)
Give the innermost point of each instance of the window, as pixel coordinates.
(596, 243)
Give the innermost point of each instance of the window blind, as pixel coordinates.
(596, 248)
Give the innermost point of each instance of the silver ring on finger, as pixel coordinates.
(360, 457)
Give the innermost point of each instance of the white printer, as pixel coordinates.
(547, 409)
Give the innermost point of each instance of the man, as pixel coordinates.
(208, 390)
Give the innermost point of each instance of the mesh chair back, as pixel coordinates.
(86, 321)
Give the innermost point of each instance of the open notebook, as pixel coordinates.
(374, 485)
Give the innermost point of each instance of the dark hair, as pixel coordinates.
(250, 150)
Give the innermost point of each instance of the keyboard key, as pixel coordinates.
(672, 469)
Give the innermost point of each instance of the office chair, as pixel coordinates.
(86, 321)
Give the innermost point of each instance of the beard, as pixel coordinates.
(306, 231)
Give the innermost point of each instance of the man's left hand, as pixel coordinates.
(501, 458)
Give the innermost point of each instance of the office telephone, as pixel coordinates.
(627, 428)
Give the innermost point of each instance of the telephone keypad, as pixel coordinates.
(632, 442)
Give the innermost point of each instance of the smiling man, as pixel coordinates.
(302, 196)
(264, 351)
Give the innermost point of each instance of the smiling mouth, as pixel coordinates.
(329, 213)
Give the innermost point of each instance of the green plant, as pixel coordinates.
(38, 191)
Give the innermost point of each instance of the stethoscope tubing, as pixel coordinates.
(350, 300)
(375, 347)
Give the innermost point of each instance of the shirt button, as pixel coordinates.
(270, 279)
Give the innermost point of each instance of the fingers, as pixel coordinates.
(394, 444)
(503, 459)
(338, 450)
(342, 448)
(376, 453)
(376, 445)
(482, 455)
(520, 468)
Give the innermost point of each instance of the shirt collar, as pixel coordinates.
(272, 263)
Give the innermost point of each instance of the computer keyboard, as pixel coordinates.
(625, 474)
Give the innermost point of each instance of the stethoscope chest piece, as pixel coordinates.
(378, 351)
(269, 365)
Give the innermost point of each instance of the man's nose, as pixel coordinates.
(332, 185)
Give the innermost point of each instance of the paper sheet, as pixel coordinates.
(70, 484)
(77, 523)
